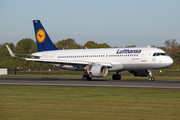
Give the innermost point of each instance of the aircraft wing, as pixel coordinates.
(55, 61)
(68, 62)
(14, 54)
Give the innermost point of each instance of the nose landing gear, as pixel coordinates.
(151, 78)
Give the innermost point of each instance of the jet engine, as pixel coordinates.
(97, 71)
(141, 73)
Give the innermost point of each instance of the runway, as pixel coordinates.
(125, 83)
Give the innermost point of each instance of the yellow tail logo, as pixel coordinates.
(41, 35)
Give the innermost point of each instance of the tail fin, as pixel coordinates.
(43, 41)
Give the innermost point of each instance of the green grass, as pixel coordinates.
(79, 103)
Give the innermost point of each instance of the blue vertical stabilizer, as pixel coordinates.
(43, 41)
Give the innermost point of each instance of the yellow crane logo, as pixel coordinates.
(41, 35)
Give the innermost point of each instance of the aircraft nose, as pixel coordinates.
(169, 61)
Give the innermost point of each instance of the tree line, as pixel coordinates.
(28, 46)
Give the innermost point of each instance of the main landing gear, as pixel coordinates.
(116, 76)
(86, 77)
(151, 78)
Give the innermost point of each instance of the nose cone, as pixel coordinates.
(169, 61)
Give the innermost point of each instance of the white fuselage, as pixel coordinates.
(118, 59)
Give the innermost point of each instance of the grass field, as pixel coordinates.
(79, 103)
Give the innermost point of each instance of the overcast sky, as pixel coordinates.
(115, 22)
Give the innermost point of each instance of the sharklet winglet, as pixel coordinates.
(12, 54)
(10, 51)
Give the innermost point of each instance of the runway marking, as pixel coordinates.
(90, 85)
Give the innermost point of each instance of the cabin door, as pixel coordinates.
(144, 56)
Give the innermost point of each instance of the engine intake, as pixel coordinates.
(97, 71)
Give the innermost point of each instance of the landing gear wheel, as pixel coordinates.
(116, 77)
(89, 78)
(151, 79)
(86, 77)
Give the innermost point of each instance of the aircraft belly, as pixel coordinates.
(137, 66)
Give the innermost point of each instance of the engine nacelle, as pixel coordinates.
(141, 73)
(97, 71)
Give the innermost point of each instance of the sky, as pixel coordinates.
(118, 23)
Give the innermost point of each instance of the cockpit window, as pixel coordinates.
(163, 54)
(160, 54)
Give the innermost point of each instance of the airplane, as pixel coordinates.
(141, 61)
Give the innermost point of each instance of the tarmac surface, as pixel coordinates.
(125, 83)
